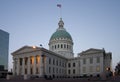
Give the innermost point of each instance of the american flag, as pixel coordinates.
(59, 5)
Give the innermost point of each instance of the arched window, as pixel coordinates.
(55, 46)
(52, 47)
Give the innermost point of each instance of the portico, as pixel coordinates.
(29, 64)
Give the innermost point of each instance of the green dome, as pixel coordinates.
(61, 34)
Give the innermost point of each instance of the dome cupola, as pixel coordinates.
(61, 41)
(61, 32)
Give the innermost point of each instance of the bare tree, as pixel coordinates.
(117, 69)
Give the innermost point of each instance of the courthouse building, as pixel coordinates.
(59, 60)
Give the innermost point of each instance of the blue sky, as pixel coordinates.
(91, 23)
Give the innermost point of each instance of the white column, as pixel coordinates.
(34, 66)
(41, 66)
(46, 65)
(38, 64)
(18, 66)
(23, 66)
(14, 65)
(28, 66)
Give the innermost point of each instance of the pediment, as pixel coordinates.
(23, 50)
(92, 50)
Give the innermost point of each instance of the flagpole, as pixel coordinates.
(60, 6)
(61, 12)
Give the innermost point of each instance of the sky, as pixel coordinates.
(91, 23)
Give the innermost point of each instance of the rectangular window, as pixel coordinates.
(57, 62)
(84, 69)
(64, 46)
(53, 70)
(59, 71)
(58, 45)
(91, 60)
(73, 64)
(49, 69)
(67, 46)
(53, 61)
(69, 71)
(25, 71)
(61, 46)
(49, 60)
(62, 64)
(98, 59)
(31, 70)
(65, 64)
(73, 71)
(43, 59)
(36, 60)
(84, 61)
(91, 69)
(31, 60)
(26, 59)
(62, 71)
(79, 63)
(20, 61)
(69, 65)
(37, 72)
(97, 68)
(56, 70)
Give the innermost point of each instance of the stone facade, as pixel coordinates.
(40, 61)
